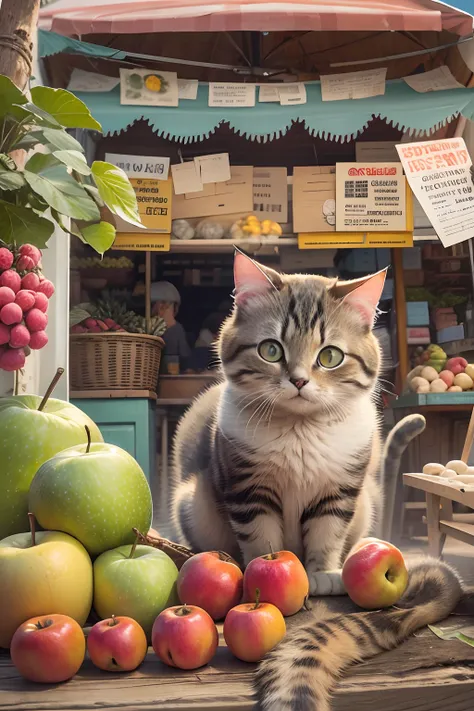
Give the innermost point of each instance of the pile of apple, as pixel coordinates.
(456, 376)
(24, 296)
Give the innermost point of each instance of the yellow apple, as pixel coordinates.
(42, 574)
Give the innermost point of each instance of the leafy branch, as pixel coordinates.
(56, 187)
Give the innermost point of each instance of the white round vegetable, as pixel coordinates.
(465, 479)
(464, 381)
(207, 229)
(181, 229)
(433, 468)
(438, 386)
(458, 466)
(448, 474)
(429, 373)
(454, 389)
(420, 385)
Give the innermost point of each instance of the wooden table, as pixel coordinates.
(425, 673)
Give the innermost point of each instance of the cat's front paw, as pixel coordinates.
(325, 582)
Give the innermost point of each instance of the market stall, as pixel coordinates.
(254, 138)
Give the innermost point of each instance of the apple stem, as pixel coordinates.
(134, 545)
(50, 389)
(88, 433)
(272, 552)
(113, 621)
(257, 598)
(183, 610)
(31, 519)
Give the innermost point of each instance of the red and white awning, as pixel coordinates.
(83, 17)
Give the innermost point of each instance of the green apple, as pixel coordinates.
(28, 437)
(96, 492)
(135, 581)
(40, 574)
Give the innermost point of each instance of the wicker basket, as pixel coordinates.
(114, 361)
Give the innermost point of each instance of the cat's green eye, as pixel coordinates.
(330, 357)
(271, 351)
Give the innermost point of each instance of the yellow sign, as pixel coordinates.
(154, 202)
(354, 240)
(142, 242)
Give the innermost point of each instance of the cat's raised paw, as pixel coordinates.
(325, 582)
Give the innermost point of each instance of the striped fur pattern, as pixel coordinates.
(301, 672)
(286, 451)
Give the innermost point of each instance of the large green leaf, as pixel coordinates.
(66, 108)
(94, 193)
(101, 236)
(9, 96)
(49, 178)
(23, 226)
(29, 141)
(72, 230)
(43, 118)
(11, 180)
(73, 159)
(61, 140)
(116, 191)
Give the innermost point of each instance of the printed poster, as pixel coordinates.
(370, 197)
(438, 172)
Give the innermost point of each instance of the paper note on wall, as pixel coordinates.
(213, 168)
(186, 178)
(140, 166)
(231, 95)
(285, 94)
(143, 87)
(90, 81)
(439, 175)
(437, 79)
(188, 89)
(353, 85)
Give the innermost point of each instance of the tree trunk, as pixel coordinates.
(18, 19)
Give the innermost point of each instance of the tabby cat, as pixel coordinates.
(285, 453)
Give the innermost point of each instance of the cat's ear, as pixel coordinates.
(252, 279)
(362, 294)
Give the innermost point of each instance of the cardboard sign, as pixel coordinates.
(139, 242)
(314, 195)
(270, 194)
(140, 166)
(233, 196)
(154, 205)
(370, 196)
(439, 175)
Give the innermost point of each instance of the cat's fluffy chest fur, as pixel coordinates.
(304, 459)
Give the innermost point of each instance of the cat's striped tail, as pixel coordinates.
(301, 672)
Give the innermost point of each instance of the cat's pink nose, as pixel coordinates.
(298, 382)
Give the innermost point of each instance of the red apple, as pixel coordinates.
(184, 636)
(281, 579)
(375, 575)
(48, 648)
(253, 629)
(117, 644)
(212, 582)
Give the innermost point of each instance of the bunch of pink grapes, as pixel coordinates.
(24, 300)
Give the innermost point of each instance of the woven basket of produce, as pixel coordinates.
(114, 361)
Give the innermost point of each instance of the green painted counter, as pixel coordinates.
(129, 423)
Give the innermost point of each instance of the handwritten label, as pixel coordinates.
(370, 196)
(284, 94)
(142, 243)
(186, 178)
(437, 79)
(90, 81)
(231, 95)
(144, 87)
(140, 166)
(353, 85)
(439, 175)
(214, 168)
(154, 203)
(188, 89)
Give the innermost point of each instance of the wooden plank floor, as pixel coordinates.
(425, 673)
